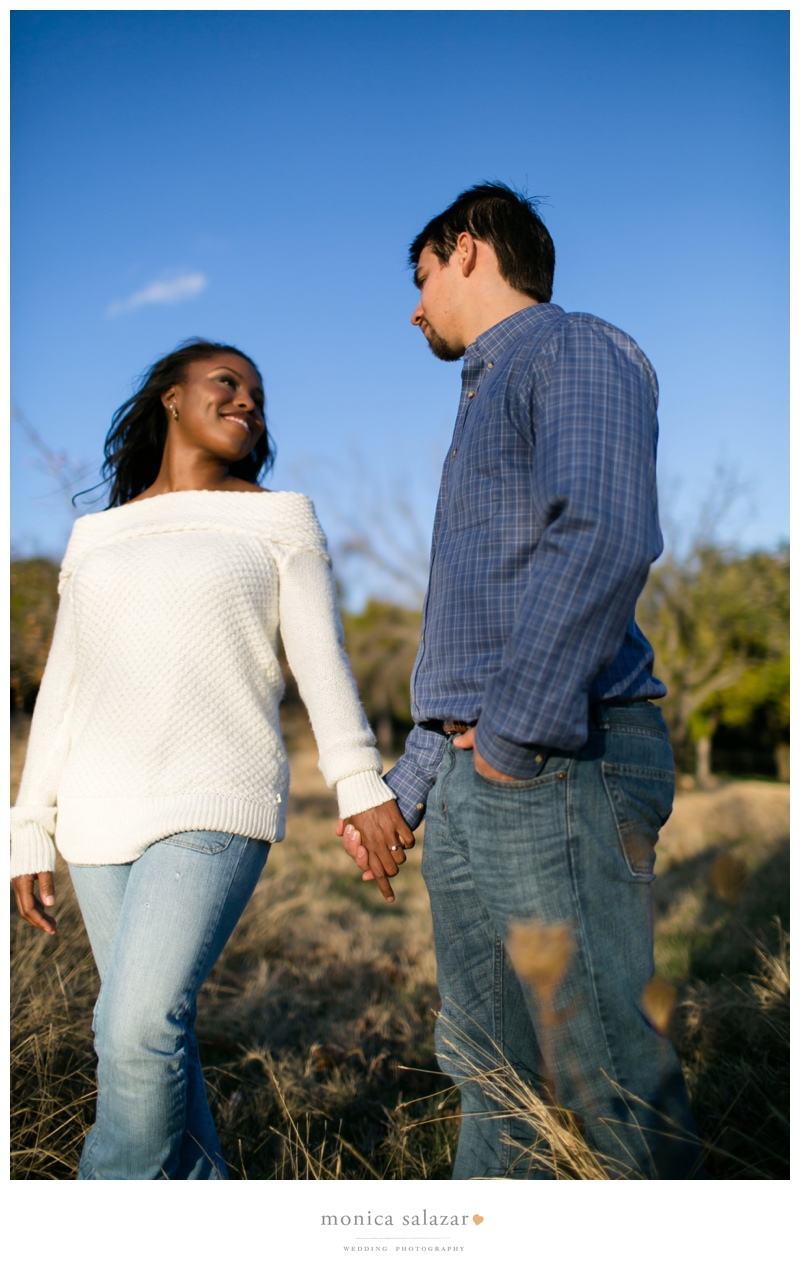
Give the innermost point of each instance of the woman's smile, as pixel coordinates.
(239, 419)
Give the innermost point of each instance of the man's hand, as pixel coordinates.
(377, 840)
(466, 741)
(30, 906)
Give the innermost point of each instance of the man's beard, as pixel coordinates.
(441, 349)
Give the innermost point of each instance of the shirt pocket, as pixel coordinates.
(207, 841)
(475, 476)
(473, 501)
(641, 800)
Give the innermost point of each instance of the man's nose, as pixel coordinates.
(417, 315)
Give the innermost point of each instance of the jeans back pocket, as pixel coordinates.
(209, 841)
(641, 800)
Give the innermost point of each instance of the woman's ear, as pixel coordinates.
(169, 402)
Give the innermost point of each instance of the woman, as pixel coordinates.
(155, 757)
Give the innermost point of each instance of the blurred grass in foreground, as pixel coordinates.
(316, 1027)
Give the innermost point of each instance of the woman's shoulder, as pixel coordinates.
(282, 516)
(285, 517)
(191, 507)
(294, 519)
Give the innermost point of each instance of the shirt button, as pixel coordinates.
(539, 758)
(420, 806)
(490, 365)
(455, 452)
(470, 395)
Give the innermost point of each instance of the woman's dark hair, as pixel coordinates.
(135, 443)
(509, 223)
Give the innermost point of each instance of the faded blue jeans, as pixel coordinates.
(575, 845)
(157, 926)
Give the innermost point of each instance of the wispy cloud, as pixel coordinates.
(170, 291)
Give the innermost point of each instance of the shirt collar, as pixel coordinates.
(490, 344)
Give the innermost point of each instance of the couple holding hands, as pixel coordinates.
(537, 756)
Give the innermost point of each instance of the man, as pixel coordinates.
(543, 766)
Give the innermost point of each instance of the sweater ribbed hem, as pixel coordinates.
(360, 792)
(119, 830)
(32, 850)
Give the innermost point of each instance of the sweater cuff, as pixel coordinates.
(32, 850)
(360, 792)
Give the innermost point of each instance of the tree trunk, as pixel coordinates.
(782, 762)
(385, 732)
(703, 763)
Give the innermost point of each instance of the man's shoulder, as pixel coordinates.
(552, 324)
(590, 325)
(590, 329)
(591, 322)
(577, 342)
(555, 333)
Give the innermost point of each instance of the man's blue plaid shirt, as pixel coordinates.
(546, 526)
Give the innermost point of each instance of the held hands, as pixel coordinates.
(32, 907)
(369, 838)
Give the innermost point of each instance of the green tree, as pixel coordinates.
(719, 621)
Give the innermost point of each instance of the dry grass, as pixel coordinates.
(733, 1037)
(316, 1026)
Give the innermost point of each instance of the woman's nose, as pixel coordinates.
(245, 401)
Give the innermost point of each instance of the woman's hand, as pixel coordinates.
(377, 840)
(31, 906)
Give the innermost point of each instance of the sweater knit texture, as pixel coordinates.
(158, 709)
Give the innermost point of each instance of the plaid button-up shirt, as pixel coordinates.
(546, 526)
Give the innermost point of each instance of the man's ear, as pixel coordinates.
(467, 252)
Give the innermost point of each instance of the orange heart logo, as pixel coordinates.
(477, 1219)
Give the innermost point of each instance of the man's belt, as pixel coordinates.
(448, 727)
(452, 727)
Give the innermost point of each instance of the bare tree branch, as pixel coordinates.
(65, 471)
(381, 525)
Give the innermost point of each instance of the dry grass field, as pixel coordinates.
(316, 1027)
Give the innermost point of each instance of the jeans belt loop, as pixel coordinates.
(600, 716)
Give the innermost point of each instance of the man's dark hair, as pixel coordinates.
(509, 223)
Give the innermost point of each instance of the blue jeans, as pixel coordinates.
(157, 926)
(574, 845)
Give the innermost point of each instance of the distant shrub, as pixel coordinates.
(382, 644)
(34, 603)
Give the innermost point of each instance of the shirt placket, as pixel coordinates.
(471, 376)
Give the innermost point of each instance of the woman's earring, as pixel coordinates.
(173, 409)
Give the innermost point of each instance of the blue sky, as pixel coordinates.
(256, 177)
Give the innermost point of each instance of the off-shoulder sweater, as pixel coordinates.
(158, 709)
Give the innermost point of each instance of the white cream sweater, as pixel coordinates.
(158, 710)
